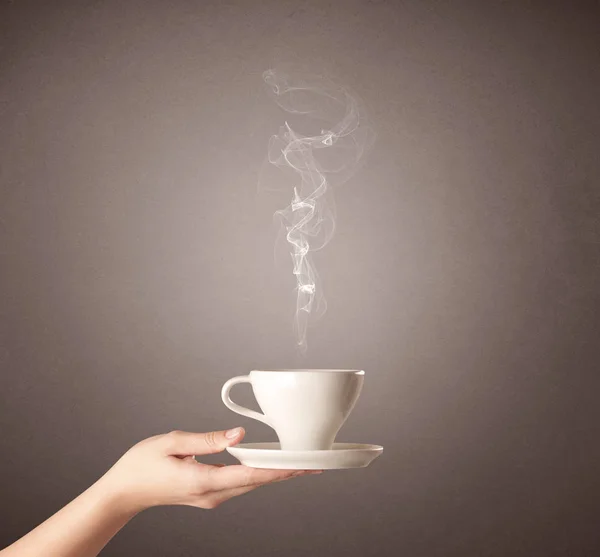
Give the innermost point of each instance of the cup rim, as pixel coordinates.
(307, 370)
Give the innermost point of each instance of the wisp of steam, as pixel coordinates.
(320, 160)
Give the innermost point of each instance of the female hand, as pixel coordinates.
(162, 470)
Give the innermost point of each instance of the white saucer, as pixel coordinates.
(270, 455)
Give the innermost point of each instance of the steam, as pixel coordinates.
(320, 161)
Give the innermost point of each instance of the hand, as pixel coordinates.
(162, 470)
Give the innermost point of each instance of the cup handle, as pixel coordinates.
(236, 407)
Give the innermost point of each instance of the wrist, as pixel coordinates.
(116, 500)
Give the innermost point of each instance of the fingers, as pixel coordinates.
(217, 498)
(237, 476)
(222, 496)
(183, 443)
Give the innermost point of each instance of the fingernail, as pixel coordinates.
(233, 433)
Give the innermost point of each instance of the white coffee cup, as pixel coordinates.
(305, 407)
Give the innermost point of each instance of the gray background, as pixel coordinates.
(137, 266)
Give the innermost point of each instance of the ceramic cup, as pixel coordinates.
(305, 407)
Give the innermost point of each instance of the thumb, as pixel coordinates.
(184, 443)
